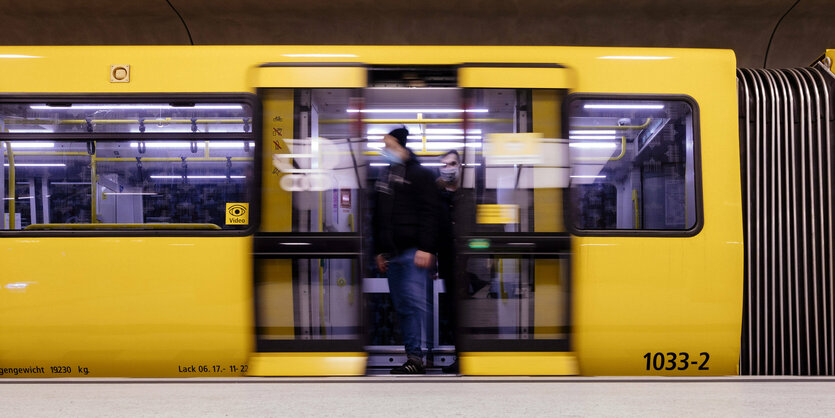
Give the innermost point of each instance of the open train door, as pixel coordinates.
(307, 252)
(514, 252)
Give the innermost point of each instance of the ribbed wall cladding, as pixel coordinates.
(786, 148)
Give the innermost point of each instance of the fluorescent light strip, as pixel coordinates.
(19, 145)
(621, 106)
(227, 145)
(428, 137)
(451, 131)
(425, 164)
(593, 145)
(417, 110)
(588, 177)
(632, 57)
(592, 132)
(429, 145)
(30, 131)
(185, 145)
(320, 55)
(592, 137)
(38, 165)
(198, 177)
(68, 183)
(18, 56)
(136, 107)
(130, 194)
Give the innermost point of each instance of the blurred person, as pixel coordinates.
(405, 240)
(449, 184)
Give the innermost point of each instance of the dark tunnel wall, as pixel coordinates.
(741, 25)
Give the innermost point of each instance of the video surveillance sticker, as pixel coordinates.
(237, 214)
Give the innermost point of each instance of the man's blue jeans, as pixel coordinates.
(407, 286)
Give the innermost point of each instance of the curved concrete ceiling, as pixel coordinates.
(742, 25)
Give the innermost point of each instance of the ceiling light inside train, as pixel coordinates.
(593, 145)
(197, 177)
(592, 137)
(137, 107)
(429, 145)
(19, 145)
(623, 106)
(592, 132)
(37, 165)
(186, 145)
(12, 56)
(417, 110)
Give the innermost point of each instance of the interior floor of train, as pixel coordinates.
(420, 396)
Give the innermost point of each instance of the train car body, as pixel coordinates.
(639, 273)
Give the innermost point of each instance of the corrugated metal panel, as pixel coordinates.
(786, 149)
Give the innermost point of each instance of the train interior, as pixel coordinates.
(170, 180)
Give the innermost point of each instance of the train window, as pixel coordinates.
(94, 167)
(633, 164)
(186, 117)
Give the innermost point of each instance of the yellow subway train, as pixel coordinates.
(204, 211)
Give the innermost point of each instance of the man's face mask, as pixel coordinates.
(390, 156)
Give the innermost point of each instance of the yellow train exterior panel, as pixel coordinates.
(520, 363)
(516, 77)
(135, 306)
(147, 306)
(311, 77)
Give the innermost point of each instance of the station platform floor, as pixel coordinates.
(408, 396)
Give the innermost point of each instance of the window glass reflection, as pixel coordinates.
(632, 164)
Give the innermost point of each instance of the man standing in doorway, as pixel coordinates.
(405, 235)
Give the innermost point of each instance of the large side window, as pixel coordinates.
(633, 164)
(119, 166)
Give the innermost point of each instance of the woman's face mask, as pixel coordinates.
(449, 174)
(451, 169)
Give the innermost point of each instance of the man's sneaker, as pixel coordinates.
(411, 366)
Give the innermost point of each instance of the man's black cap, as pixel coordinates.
(401, 134)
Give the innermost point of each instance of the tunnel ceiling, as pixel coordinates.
(743, 25)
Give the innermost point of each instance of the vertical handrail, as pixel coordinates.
(93, 184)
(10, 154)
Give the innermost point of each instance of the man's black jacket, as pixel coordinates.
(406, 209)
